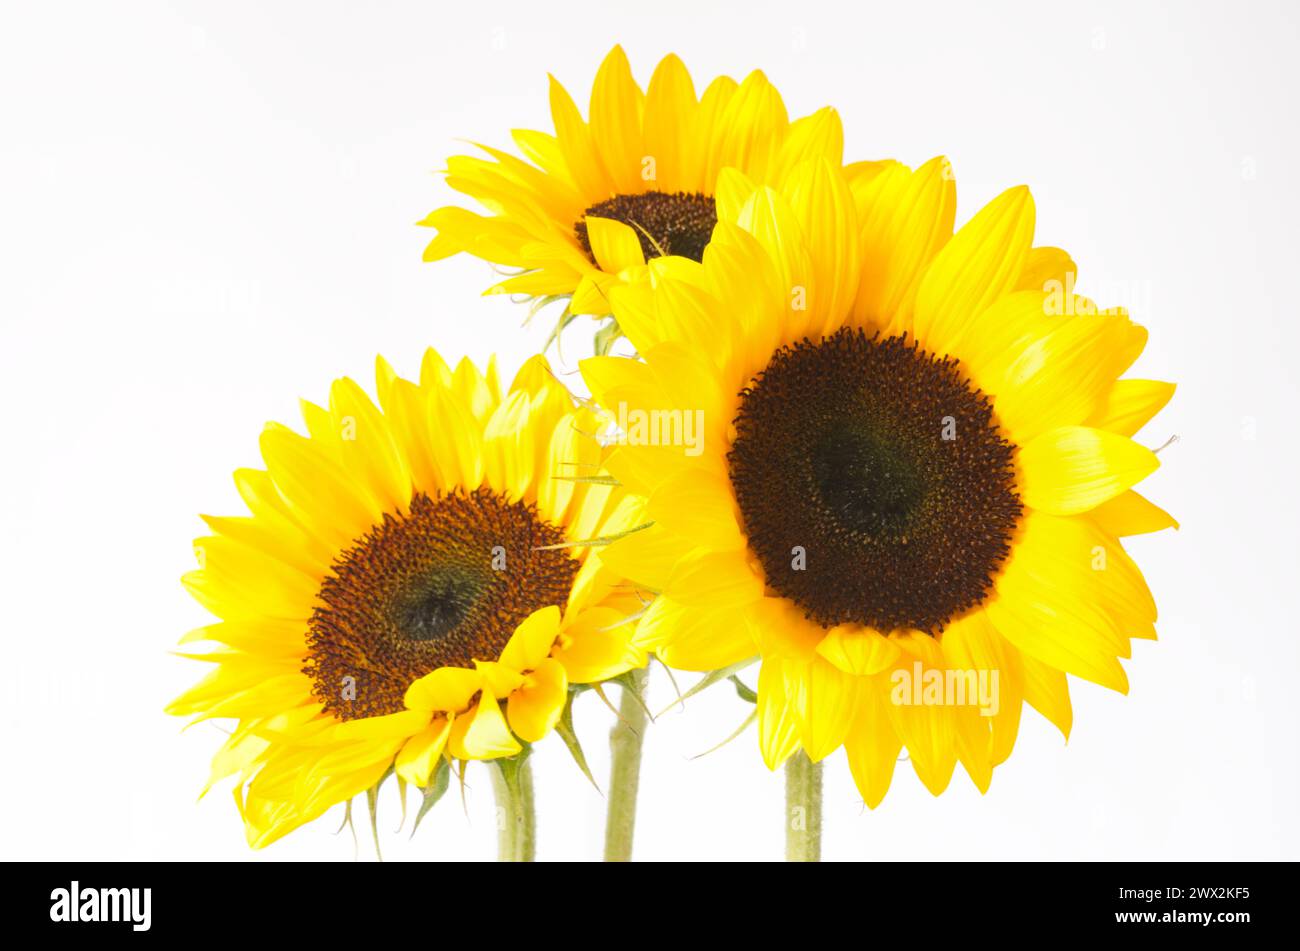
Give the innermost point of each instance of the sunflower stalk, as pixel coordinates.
(512, 784)
(803, 809)
(625, 742)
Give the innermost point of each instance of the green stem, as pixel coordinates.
(512, 782)
(803, 809)
(625, 740)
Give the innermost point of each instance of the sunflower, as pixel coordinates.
(911, 474)
(634, 182)
(408, 590)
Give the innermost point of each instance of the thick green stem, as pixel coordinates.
(512, 782)
(625, 741)
(803, 809)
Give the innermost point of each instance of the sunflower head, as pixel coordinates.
(413, 586)
(635, 180)
(917, 467)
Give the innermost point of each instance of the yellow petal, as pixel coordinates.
(532, 640)
(700, 637)
(599, 644)
(823, 206)
(1045, 265)
(717, 580)
(1076, 468)
(318, 491)
(972, 643)
(482, 733)
(858, 650)
(615, 245)
(778, 726)
(1047, 691)
(825, 708)
(696, 506)
(733, 190)
(816, 136)
(701, 161)
(928, 730)
(906, 218)
(749, 132)
(872, 744)
(536, 706)
(1050, 602)
(368, 450)
(574, 139)
(1130, 404)
(498, 679)
(1062, 379)
(981, 263)
(670, 108)
(767, 216)
(445, 689)
(592, 295)
(239, 582)
(391, 726)
(646, 557)
(616, 109)
(1131, 514)
(419, 757)
(509, 447)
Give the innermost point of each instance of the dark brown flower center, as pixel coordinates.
(874, 483)
(443, 585)
(677, 223)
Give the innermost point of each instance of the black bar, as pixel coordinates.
(977, 901)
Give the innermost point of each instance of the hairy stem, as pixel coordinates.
(625, 740)
(803, 809)
(512, 782)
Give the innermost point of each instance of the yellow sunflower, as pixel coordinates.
(407, 590)
(894, 462)
(633, 182)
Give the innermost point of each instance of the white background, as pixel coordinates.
(206, 211)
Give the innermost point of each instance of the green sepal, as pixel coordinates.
(511, 765)
(753, 715)
(434, 791)
(743, 690)
(566, 317)
(597, 542)
(711, 678)
(372, 802)
(606, 337)
(567, 733)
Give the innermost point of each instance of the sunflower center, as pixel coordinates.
(443, 585)
(874, 484)
(679, 223)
